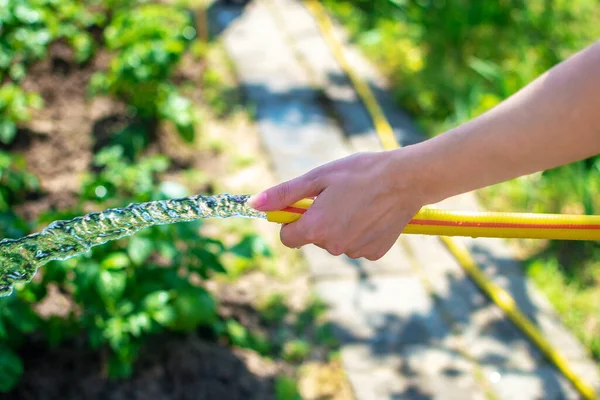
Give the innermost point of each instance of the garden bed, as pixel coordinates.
(262, 337)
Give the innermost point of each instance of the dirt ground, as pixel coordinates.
(171, 367)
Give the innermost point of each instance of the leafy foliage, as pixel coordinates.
(15, 107)
(126, 290)
(15, 184)
(149, 41)
(16, 320)
(451, 60)
(28, 27)
(26, 30)
(120, 178)
(286, 388)
(142, 285)
(15, 181)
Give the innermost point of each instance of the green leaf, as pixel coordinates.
(165, 316)
(238, 334)
(180, 111)
(250, 246)
(3, 333)
(286, 389)
(22, 317)
(17, 72)
(111, 285)
(115, 261)
(156, 300)
(83, 45)
(208, 260)
(139, 323)
(261, 343)
(139, 249)
(8, 130)
(187, 132)
(11, 368)
(296, 350)
(120, 364)
(194, 306)
(168, 250)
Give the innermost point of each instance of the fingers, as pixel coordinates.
(299, 233)
(286, 193)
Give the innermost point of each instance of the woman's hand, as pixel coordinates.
(363, 203)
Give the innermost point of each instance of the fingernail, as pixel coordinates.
(258, 200)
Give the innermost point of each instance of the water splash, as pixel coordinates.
(21, 258)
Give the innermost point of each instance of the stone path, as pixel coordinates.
(413, 326)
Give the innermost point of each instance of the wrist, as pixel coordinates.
(413, 170)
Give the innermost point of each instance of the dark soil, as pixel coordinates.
(171, 367)
(57, 143)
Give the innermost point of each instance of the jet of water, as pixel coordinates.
(21, 258)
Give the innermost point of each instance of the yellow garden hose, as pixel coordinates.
(431, 221)
(453, 223)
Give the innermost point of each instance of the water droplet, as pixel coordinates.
(100, 191)
(189, 32)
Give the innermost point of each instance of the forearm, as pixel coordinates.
(553, 121)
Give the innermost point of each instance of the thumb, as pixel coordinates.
(287, 193)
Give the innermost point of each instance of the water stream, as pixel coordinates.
(21, 258)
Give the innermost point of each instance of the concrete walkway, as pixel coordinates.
(413, 326)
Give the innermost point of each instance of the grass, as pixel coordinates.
(576, 298)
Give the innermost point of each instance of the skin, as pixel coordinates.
(365, 200)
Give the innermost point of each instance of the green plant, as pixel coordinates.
(131, 288)
(296, 350)
(574, 295)
(16, 320)
(217, 93)
(15, 107)
(149, 41)
(286, 388)
(248, 252)
(324, 335)
(449, 61)
(121, 178)
(239, 335)
(314, 310)
(27, 27)
(15, 185)
(15, 181)
(273, 308)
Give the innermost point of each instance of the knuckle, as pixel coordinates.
(317, 182)
(283, 192)
(316, 234)
(354, 254)
(375, 255)
(336, 248)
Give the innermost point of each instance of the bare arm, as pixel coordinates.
(365, 200)
(553, 121)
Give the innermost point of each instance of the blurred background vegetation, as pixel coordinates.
(449, 61)
(104, 103)
(151, 88)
